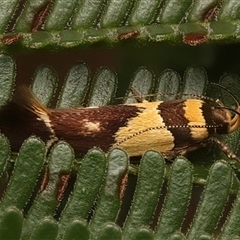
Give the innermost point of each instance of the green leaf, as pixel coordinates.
(27, 168)
(75, 87)
(61, 12)
(143, 207)
(172, 11)
(231, 228)
(200, 8)
(11, 221)
(229, 10)
(60, 161)
(88, 183)
(76, 230)
(144, 12)
(177, 197)
(72, 23)
(205, 237)
(87, 13)
(24, 23)
(110, 196)
(142, 83)
(195, 80)
(110, 231)
(45, 229)
(169, 86)
(115, 12)
(45, 84)
(215, 197)
(7, 77)
(177, 236)
(6, 11)
(143, 233)
(104, 88)
(4, 153)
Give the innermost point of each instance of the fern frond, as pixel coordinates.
(46, 24)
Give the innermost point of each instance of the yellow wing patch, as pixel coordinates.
(195, 117)
(146, 131)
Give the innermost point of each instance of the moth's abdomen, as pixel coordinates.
(18, 123)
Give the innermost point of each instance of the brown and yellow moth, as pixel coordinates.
(172, 127)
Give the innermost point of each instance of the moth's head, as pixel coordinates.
(226, 118)
(234, 123)
(230, 116)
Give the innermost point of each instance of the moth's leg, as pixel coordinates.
(50, 143)
(137, 95)
(224, 147)
(171, 155)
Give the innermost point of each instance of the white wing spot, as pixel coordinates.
(92, 126)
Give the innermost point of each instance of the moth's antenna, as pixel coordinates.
(202, 97)
(230, 109)
(227, 90)
(198, 96)
(191, 95)
(234, 124)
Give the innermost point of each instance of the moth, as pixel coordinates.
(173, 127)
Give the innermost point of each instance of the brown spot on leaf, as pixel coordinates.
(123, 186)
(10, 39)
(44, 181)
(63, 183)
(194, 39)
(211, 13)
(127, 35)
(40, 17)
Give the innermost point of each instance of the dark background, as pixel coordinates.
(125, 59)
